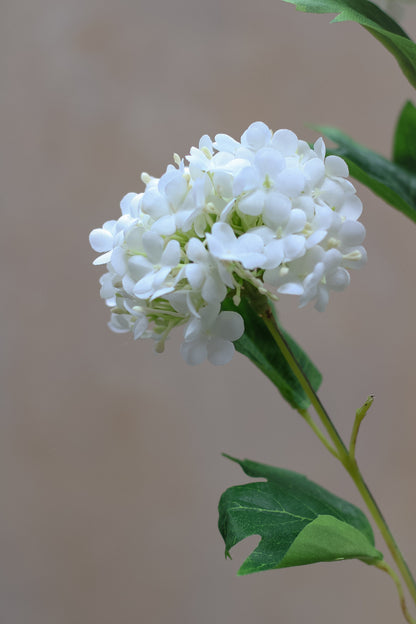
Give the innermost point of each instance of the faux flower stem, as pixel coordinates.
(309, 420)
(348, 461)
(359, 417)
(382, 565)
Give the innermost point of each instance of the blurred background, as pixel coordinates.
(110, 455)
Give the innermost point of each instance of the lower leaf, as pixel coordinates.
(299, 522)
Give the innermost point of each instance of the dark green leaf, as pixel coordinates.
(404, 148)
(298, 521)
(389, 180)
(258, 345)
(373, 19)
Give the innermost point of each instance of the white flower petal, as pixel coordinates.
(229, 325)
(171, 255)
(252, 204)
(138, 267)
(324, 217)
(220, 351)
(120, 323)
(107, 288)
(285, 141)
(296, 222)
(129, 204)
(314, 171)
(291, 288)
(351, 207)
(315, 238)
(133, 238)
(154, 203)
(153, 246)
(196, 251)
(165, 226)
(274, 254)
(213, 290)
(175, 187)
(140, 327)
(119, 261)
(225, 143)
(246, 180)
(351, 233)
(290, 182)
(336, 167)
(269, 162)
(338, 279)
(294, 246)
(256, 136)
(322, 300)
(277, 208)
(101, 240)
(206, 142)
(193, 330)
(319, 148)
(195, 275)
(249, 250)
(194, 352)
(223, 183)
(104, 259)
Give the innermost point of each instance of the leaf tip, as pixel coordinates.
(374, 560)
(242, 571)
(231, 458)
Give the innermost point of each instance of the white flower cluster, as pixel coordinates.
(267, 210)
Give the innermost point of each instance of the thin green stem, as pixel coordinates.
(308, 419)
(359, 417)
(345, 458)
(382, 565)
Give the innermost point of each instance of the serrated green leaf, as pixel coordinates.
(299, 522)
(258, 345)
(404, 146)
(377, 22)
(389, 180)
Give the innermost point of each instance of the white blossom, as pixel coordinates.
(268, 209)
(211, 336)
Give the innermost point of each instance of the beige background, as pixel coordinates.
(110, 463)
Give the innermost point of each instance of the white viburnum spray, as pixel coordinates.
(267, 210)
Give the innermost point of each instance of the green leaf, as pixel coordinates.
(373, 19)
(258, 345)
(298, 521)
(389, 180)
(404, 147)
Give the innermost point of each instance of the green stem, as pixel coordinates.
(308, 419)
(359, 417)
(345, 457)
(382, 565)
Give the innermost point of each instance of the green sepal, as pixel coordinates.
(391, 181)
(299, 522)
(383, 27)
(259, 346)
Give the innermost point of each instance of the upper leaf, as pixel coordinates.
(404, 147)
(391, 181)
(299, 522)
(258, 345)
(373, 19)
